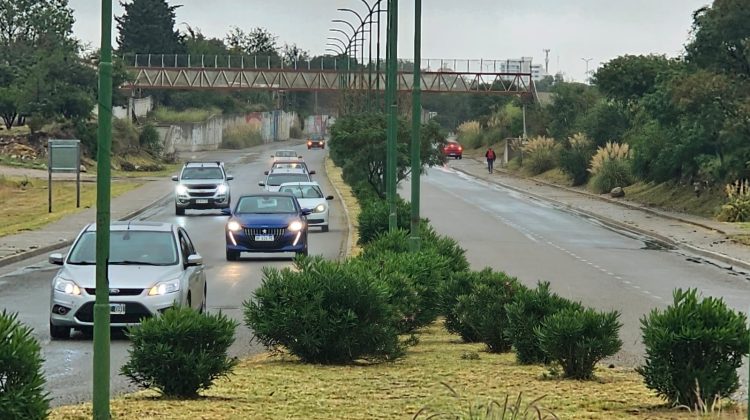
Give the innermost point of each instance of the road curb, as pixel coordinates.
(347, 251)
(663, 240)
(62, 244)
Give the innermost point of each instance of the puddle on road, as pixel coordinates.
(651, 245)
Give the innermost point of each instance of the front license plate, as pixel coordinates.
(201, 201)
(264, 238)
(117, 309)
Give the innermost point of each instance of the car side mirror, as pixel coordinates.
(261, 184)
(265, 173)
(329, 198)
(306, 212)
(56, 259)
(175, 178)
(194, 260)
(230, 177)
(300, 157)
(226, 212)
(312, 172)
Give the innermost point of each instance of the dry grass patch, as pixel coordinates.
(266, 387)
(670, 196)
(350, 202)
(24, 203)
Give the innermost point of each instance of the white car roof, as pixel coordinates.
(139, 225)
(288, 171)
(304, 184)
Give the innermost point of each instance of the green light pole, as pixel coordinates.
(101, 307)
(392, 108)
(416, 126)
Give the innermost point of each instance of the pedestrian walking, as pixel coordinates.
(490, 155)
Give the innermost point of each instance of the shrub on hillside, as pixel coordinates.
(470, 134)
(611, 174)
(737, 207)
(530, 308)
(325, 312)
(483, 310)
(539, 155)
(22, 394)
(413, 280)
(577, 339)
(180, 352)
(574, 160)
(693, 349)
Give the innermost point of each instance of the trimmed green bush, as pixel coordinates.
(693, 349)
(483, 310)
(613, 173)
(180, 352)
(527, 313)
(413, 280)
(539, 161)
(149, 140)
(461, 283)
(325, 312)
(398, 241)
(22, 394)
(373, 219)
(577, 339)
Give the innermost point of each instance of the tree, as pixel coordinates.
(570, 103)
(148, 26)
(258, 41)
(198, 44)
(293, 54)
(721, 37)
(628, 78)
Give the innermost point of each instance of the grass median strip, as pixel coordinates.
(335, 175)
(24, 202)
(266, 387)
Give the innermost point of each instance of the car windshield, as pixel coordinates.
(286, 153)
(128, 247)
(303, 191)
(278, 179)
(266, 205)
(202, 173)
(288, 165)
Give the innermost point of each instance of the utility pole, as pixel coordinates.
(416, 126)
(392, 109)
(103, 187)
(587, 67)
(546, 60)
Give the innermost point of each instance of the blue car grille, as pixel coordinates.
(276, 232)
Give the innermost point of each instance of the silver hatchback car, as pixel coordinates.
(152, 267)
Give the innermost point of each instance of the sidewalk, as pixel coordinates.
(701, 236)
(61, 233)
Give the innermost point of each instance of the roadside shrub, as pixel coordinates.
(459, 284)
(413, 280)
(693, 349)
(241, 137)
(574, 160)
(530, 308)
(149, 140)
(577, 339)
(483, 311)
(470, 134)
(125, 137)
(611, 174)
(373, 219)
(610, 151)
(539, 155)
(325, 312)
(181, 352)
(737, 207)
(398, 241)
(22, 394)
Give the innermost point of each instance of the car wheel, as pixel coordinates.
(88, 332)
(303, 252)
(232, 255)
(190, 301)
(325, 228)
(461, 157)
(203, 303)
(59, 332)
(179, 211)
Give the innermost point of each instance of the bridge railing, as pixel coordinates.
(327, 63)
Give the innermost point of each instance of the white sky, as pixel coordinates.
(488, 29)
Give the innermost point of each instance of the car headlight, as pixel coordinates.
(234, 226)
(320, 208)
(164, 288)
(66, 286)
(181, 189)
(296, 226)
(222, 189)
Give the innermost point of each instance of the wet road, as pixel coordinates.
(582, 259)
(24, 287)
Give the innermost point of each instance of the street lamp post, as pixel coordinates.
(586, 75)
(416, 126)
(392, 106)
(103, 187)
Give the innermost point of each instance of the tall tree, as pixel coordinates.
(628, 78)
(721, 37)
(148, 26)
(199, 44)
(259, 41)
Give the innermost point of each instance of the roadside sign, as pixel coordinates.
(64, 156)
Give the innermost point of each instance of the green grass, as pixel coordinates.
(187, 116)
(14, 131)
(30, 164)
(673, 197)
(241, 137)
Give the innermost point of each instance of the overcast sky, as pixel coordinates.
(488, 29)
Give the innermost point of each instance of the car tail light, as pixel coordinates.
(460, 148)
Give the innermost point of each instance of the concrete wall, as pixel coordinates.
(140, 107)
(192, 137)
(273, 126)
(318, 124)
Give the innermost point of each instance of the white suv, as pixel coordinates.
(202, 185)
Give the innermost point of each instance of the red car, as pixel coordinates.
(453, 149)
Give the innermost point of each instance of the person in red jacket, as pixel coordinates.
(490, 155)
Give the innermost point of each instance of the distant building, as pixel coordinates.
(522, 65)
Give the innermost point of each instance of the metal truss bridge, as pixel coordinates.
(154, 71)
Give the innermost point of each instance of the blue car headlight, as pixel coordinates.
(296, 226)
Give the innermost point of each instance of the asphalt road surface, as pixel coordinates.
(583, 259)
(25, 287)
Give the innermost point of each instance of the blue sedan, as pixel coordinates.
(266, 222)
